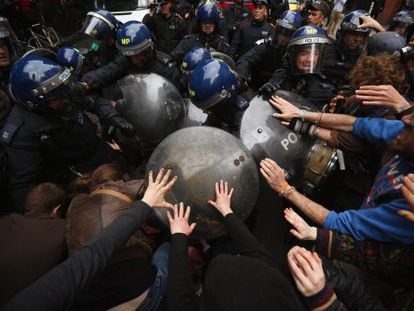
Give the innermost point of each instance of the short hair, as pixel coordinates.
(44, 197)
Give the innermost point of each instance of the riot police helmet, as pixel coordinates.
(351, 23)
(212, 82)
(287, 23)
(35, 80)
(71, 58)
(192, 58)
(305, 50)
(133, 38)
(401, 21)
(100, 24)
(208, 12)
(385, 42)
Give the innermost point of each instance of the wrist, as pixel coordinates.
(282, 186)
(226, 212)
(287, 191)
(147, 201)
(313, 234)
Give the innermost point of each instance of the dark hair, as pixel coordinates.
(44, 197)
(104, 173)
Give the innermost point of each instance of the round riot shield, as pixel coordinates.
(200, 156)
(153, 106)
(306, 161)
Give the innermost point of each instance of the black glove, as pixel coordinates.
(244, 81)
(268, 89)
(120, 123)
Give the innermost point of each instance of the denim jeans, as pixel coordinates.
(158, 289)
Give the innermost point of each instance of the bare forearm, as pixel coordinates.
(311, 209)
(325, 135)
(332, 121)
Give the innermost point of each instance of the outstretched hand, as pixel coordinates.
(179, 220)
(288, 111)
(301, 229)
(273, 174)
(154, 196)
(307, 271)
(223, 198)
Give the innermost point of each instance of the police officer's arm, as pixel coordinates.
(180, 50)
(235, 43)
(275, 177)
(251, 58)
(104, 76)
(333, 121)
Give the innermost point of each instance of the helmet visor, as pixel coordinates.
(96, 27)
(306, 59)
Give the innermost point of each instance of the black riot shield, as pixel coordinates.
(153, 106)
(306, 161)
(199, 156)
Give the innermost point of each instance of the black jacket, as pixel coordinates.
(234, 16)
(168, 32)
(248, 34)
(314, 87)
(338, 61)
(43, 146)
(349, 289)
(260, 62)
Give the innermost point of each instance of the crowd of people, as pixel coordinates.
(78, 221)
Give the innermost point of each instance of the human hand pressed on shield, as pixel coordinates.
(154, 196)
(307, 271)
(273, 174)
(301, 229)
(288, 111)
(178, 219)
(223, 198)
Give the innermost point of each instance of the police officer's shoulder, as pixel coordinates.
(245, 23)
(20, 120)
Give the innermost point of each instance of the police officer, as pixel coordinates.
(342, 55)
(277, 7)
(401, 21)
(303, 73)
(235, 14)
(252, 31)
(7, 57)
(317, 13)
(214, 87)
(45, 134)
(167, 26)
(207, 36)
(137, 51)
(101, 26)
(260, 62)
